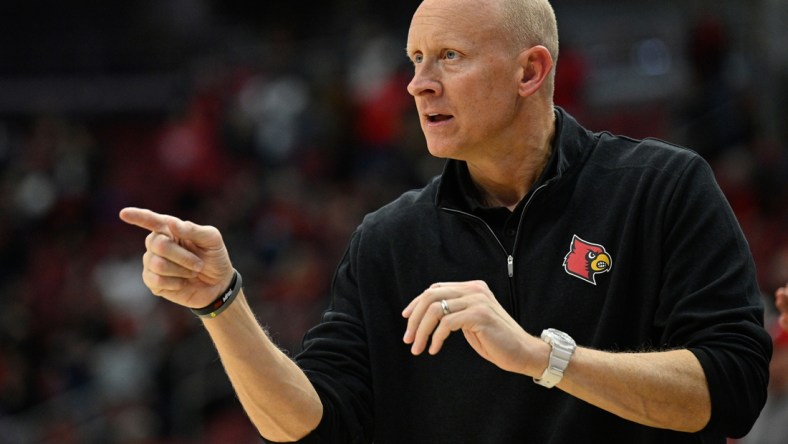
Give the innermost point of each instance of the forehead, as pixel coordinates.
(454, 21)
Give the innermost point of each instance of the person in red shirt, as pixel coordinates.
(781, 301)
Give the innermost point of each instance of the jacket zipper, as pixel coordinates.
(509, 257)
(520, 224)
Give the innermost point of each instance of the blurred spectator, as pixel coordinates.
(715, 118)
(771, 425)
(570, 85)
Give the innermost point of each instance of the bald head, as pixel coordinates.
(530, 22)
(522, 23)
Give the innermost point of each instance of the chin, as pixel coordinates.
(442, 151)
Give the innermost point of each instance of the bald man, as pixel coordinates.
(552, 285)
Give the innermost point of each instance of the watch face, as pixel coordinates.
(558, 334)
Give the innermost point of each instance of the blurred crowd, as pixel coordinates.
(284, 153)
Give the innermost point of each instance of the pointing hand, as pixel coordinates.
(184, 262)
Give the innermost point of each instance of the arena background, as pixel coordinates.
(282, 123)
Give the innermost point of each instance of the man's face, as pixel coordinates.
(466, 79)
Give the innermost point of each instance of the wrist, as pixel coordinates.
(537, 354)
(223, 300)
(562, 348)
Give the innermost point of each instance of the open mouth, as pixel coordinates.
(434, 118)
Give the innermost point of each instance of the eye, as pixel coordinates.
(451, 54)
(591, 255)
(418, 58)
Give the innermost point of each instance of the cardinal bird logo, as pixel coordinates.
(585, 260)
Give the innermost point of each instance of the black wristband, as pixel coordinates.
(223, 300)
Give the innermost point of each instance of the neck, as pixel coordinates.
(504, 180)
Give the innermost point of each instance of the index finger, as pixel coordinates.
(408, 311)
(418, 308)
(146, 219)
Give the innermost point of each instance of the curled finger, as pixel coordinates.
(409, 310)
(426, 327)
(164, 267)
(447, 325)
(168, 248)
(451, 321)
(159, 284)
(419, 307)
(415, 312)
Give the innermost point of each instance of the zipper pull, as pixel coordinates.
(510, 265)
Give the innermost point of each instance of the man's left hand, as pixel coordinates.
(471, 307)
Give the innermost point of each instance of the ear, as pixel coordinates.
(536, 64)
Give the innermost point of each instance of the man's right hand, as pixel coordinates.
(184, 262)
(189, 265)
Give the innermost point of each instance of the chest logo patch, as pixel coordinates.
(585, 260)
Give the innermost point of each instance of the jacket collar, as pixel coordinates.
(571, 146)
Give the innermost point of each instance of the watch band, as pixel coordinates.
(562, 348)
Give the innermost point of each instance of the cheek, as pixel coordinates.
(490, 108)
(491, 92)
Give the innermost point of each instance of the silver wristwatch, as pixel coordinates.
(563, 347)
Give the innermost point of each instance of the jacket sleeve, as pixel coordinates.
(335, 359)
(710, 302)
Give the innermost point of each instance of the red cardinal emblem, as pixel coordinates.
(585, 260)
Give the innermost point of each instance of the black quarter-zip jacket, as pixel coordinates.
(678, 274)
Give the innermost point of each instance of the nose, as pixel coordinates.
(424, 81)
